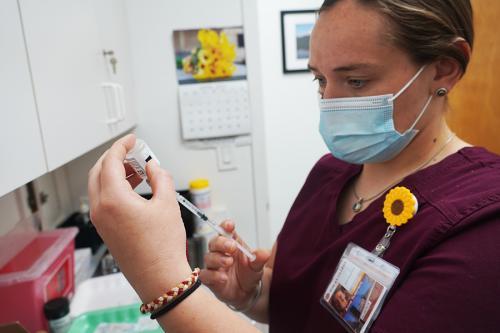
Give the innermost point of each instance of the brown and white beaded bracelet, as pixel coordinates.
(172, 294)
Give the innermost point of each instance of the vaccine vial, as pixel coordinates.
(139, 156)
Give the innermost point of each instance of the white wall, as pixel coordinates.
(291, 115)
(151, 26)
(286, 141)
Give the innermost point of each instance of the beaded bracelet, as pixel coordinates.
(172, 294)
(169, 306)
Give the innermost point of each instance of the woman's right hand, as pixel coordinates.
(229, 273)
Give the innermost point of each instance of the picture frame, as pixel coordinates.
(296, 27)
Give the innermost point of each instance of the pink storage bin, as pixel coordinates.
(34, 268)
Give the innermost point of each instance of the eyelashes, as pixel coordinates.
(321, 83)
(352, 83)
(320, 80)
(356, 83)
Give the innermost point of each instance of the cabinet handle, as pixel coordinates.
(114, 93)
(109, 95)
(121, 99)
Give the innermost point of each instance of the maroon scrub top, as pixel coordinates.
(448, 254)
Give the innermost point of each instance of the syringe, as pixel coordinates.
(137, 159)
(196, 211)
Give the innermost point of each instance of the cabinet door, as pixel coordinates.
(21, 149)
(112, 21)
(474, 102)
(67, 65)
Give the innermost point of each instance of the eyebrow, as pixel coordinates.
(346, 68)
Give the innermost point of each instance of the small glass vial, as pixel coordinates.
(139, 156)
(57, 313)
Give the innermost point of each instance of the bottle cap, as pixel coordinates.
(198, 184)
(56, 308)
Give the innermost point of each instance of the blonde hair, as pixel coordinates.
(426, 29)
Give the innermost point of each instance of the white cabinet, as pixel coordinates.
(59, 94)
(21, 148)
(112, 22)
(80, 105)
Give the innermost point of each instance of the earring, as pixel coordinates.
(441, 92)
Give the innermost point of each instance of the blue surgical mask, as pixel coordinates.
(361, 130)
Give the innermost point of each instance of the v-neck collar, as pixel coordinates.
(411, 181)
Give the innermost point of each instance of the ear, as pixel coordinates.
(448, 70)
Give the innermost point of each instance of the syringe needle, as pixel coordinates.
(193, 209)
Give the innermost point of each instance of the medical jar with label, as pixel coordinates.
(58, 316)
(200, 193)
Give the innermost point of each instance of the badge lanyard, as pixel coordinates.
(362, 279)
(400, 206)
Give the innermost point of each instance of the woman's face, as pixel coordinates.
(341, 299)
(351, 55)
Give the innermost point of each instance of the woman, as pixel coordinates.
(397, 59)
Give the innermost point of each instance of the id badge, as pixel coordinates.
(358, 288)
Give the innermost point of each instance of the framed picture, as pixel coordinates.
(296, 27)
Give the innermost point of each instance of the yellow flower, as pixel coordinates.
(215, 57)
(225, 69)
(400, 206)
(207, 56)
(227, 48)
(208, 38)
(187, 64)
(202, 73)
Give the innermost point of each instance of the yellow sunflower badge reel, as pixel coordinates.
(400, 206)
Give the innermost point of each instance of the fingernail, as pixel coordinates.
(228, 245)
(223, 279)
(226, 261)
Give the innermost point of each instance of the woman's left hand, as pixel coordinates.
(146, 237)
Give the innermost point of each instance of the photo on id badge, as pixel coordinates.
(353, 296)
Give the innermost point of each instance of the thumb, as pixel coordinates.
(229, 227)
(261, 258)
(160, 181)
